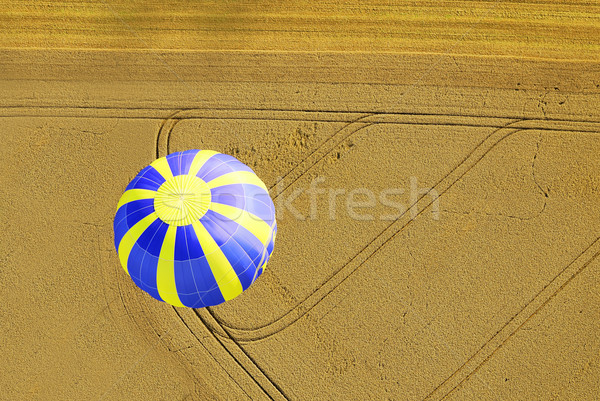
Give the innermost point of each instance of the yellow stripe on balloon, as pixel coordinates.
(237, 177)
(221, 268)
(199, 160)
(162, 166)
(135, 194)
(165, 271)
(131, 236)
(249, 221)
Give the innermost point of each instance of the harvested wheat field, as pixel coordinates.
(435, 167)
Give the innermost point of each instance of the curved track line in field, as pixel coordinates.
(164, 132)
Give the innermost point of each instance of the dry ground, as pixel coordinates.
(493, 104)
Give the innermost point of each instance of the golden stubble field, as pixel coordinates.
(488, 290)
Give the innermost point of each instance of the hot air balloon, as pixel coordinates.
(195, 228)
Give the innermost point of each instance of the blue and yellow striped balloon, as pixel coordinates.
(195, 228)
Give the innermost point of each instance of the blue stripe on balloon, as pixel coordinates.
(206, 283)
(181, 252)
(174, 161)
(249, 197)
(120, 226)
(241, 248)
(156, 242)
(217, 171)
(187, 157)
(192, 276)
(208, 165)
(247, 241)
(136, 179)
(137, 210)
(180, 162)
(213, 162)
(187, 245)
(151, 174)
(224, 158)
(184, 282)
(128, 215)
(262, 211)
(154, 234)
(145, 183)
(142, 268)
(246, 277)
(134, 264)
(213, 297)
(148, 276)
(220, 235)
(193, 244)
(225, 168)
(232, 194)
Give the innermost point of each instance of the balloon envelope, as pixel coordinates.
(195, 228)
